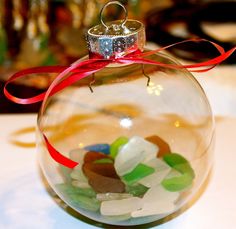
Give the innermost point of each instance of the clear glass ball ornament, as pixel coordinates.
(143, 139)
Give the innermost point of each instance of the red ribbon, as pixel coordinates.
(68, 75)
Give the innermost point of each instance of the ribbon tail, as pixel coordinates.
(57, 84)
(58, 157)
(20, 74)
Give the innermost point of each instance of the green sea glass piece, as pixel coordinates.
(178, 183)
(136, 190)
(85, 202)
(180, 164)
(71, 190)
(114, 148)
(83, 197)
(139, 172)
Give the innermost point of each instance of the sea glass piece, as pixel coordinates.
(116, 145)
(77, 155)
(140, 171)
(90, 204)
(120, 207)
(103, 148)
(79, 179)
(80, 184)
(118, 217)
(158, 164)
(112, 196)
(154, 179)
(161, 171)
(65, 171)
(77, 174)
(156, 201)
(69, 189)
(163, 146)
(158, 193)
(157, 209)
(179, 163)
(137, 189)
(103, 177)
(131, 154)
(178, 183)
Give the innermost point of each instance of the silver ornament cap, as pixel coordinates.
(116, 38)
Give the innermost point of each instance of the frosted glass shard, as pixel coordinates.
(77, 174)
(158, 164)
(80, 184)
(112, 196)
(118, 217)
(157, 201)
(77, 155)
(80, 180)
(121, 207)
(158, 194)
(161, 170)
(154, 179)
(131, 154)
(157, 209)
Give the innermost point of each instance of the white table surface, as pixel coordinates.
(27, 202)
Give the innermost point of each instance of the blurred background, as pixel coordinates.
(51, 32)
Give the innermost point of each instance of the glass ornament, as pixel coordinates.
(143, 134)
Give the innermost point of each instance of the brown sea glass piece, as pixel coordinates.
(102, 176)
(163, 146)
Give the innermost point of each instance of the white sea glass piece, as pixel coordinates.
(159, 194)
(157, 164)
(154, 179)
(112, 196)
(160, 208)
(77, 174)
(77, 155)
(161, 170)
(121, 207)
(157, 201)
(132, 153)
(118, 218)
(80, 184)
(80, 180)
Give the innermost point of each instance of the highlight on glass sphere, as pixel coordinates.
(142, 136)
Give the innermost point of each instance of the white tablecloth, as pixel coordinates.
(26, 201)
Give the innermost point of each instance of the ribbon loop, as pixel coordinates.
(68, 75)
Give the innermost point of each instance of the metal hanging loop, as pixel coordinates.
(113, 3)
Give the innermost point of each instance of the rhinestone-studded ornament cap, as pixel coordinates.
(116, 38)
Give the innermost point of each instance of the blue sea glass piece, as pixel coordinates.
(102, 148)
